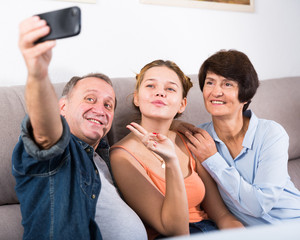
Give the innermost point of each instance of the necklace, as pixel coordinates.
(162, 162)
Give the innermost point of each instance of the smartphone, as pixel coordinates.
(63, 23)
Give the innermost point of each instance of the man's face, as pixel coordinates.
(89, 109)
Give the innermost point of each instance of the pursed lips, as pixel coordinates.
(158, 103)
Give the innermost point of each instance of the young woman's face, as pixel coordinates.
(160, 94)
(221, 96)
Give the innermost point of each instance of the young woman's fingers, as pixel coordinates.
(135, 131)
(152, 145)
(139, 128)
(160, 137)
(140, 132)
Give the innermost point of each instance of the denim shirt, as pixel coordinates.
(57, 188)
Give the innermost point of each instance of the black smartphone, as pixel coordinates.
(63, 23)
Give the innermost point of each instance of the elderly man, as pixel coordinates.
(62, 180)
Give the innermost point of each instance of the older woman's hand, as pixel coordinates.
(201, 144)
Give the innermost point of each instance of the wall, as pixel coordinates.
(120, 36)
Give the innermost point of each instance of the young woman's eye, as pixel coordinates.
(171, 89)
(150, 86)
(208, 82)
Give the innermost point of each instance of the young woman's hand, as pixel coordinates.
(156, 142)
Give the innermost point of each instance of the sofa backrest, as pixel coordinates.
(279, 100)
(12, 111)
(276, 99)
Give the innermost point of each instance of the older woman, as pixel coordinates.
(245, 155)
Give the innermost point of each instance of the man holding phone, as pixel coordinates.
(58, 161)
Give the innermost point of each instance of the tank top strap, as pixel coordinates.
(130, 153)
(192, 160)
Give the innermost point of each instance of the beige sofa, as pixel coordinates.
(277, 99)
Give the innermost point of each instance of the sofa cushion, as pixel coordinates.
(125, 111)
(12, 112)
(10, 222)
(294, 171)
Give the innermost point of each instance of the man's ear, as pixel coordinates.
(62, 106)
(182, 105)
(136, 99)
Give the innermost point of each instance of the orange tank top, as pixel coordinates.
(194, 186)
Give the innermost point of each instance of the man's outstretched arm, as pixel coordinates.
(41, 99)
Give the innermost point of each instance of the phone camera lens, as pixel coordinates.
(74, 12)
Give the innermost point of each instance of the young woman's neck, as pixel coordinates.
(156, 125)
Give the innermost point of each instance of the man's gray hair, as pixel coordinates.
(74, 80)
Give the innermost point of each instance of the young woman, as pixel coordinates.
(153, 168)
(245, 155)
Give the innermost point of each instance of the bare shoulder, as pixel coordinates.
(180, 141)
(123, 159)
(122, 149)
(125, 141)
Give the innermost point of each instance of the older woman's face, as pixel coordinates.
(221, 96)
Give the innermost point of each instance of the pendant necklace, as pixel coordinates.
(162, 162)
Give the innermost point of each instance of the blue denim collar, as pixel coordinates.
(102, 145)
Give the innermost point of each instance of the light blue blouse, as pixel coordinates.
(256, 186)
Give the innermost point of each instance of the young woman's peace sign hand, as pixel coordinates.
(156, 142)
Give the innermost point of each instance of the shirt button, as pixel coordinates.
(96, 171)
(93, 196)
(87, 150)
